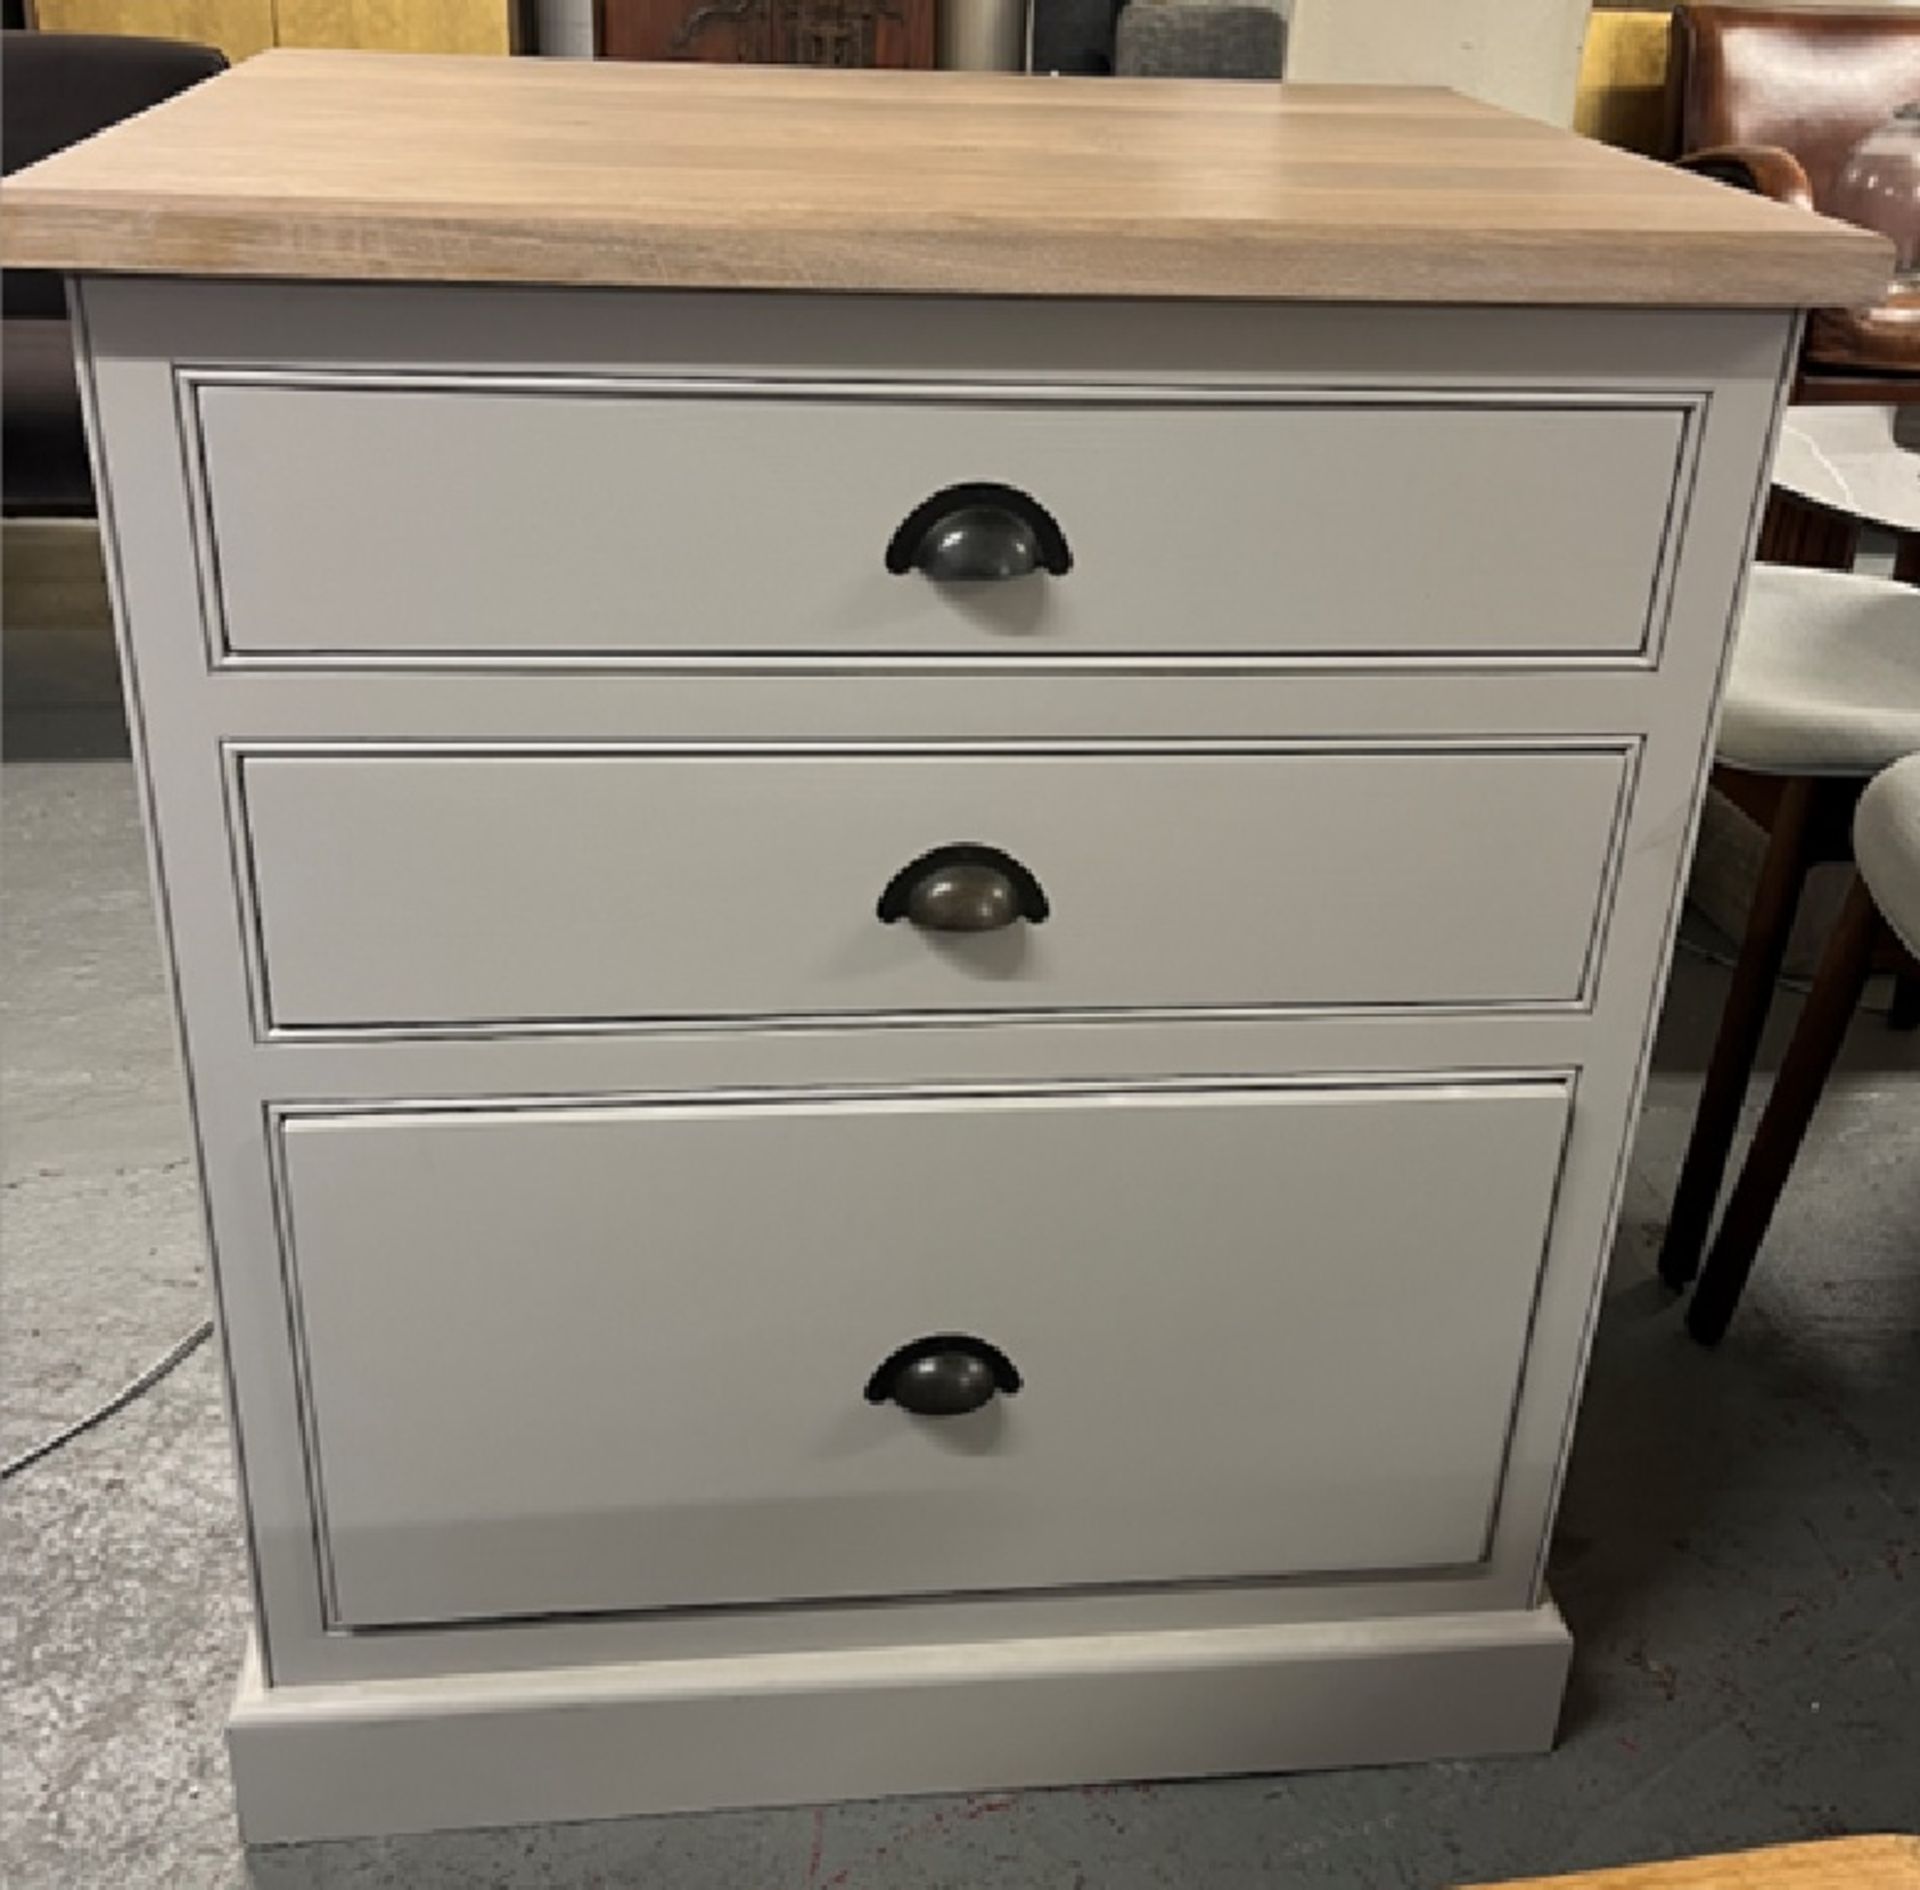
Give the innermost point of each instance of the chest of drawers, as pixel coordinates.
(913, 1016)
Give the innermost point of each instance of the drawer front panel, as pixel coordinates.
(440, 520)
(437, 889)
(615, 1358)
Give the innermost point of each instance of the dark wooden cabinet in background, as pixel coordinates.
(769, 32)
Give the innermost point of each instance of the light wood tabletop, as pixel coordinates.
(1865, 1863)
(371, 166)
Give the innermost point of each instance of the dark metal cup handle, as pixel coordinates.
(979, 533)
(964, 887)
(947, 1375)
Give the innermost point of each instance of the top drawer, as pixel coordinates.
(536, 519)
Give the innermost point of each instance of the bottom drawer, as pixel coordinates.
(624, 1356)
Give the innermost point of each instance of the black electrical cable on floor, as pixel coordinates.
(118, 1402)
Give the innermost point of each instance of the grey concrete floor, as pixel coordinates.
(1739, 1552)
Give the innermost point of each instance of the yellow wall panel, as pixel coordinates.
(1622, 98)
(447, 26)
(240, 28)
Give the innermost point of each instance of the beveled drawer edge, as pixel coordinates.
(278, 1116)
(235, 754)
(190, 378)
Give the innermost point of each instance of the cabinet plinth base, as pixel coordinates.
(367, 1759)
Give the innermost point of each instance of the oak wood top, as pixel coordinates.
(375, 166)
(1867, 1863)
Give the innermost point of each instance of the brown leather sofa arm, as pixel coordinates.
(1764, 168)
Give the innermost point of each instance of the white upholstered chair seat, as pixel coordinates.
(1826, 674)
(1886, 844)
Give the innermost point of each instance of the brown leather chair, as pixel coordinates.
(55, 89)
(1772, 99)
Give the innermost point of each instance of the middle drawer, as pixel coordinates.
(434, 888)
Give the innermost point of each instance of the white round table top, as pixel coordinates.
(1849, 459)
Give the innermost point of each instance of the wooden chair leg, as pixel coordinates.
(1790, 852)
(1906, 558)
(1794, 530)
(1844, 967)
(1904, 1012)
